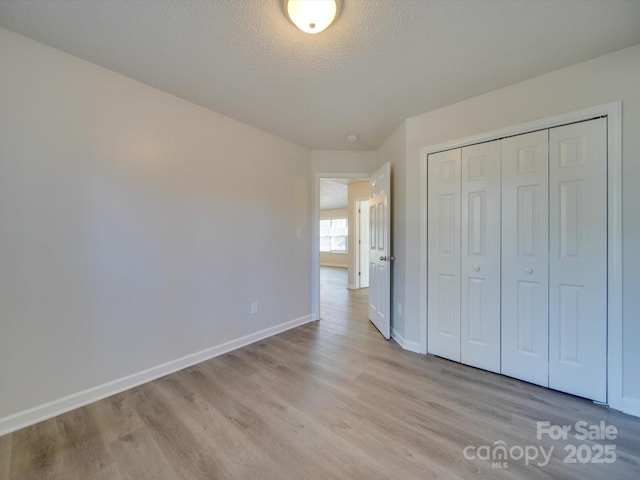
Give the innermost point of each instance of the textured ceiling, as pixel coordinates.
(334, 193)
(381, 62)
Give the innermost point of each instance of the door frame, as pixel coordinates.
(315, 233)
(358, 247)
(613, 112)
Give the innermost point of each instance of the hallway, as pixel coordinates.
(342, 310)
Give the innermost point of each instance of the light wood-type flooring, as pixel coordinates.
(328, 400)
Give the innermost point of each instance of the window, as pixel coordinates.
(333, 235)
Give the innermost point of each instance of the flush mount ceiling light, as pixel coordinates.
(312, 16)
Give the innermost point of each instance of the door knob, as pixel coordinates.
(383, 259)
(529, 270)
(476, 268)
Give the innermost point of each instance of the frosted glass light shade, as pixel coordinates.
(312, 16)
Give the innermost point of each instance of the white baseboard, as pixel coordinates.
(351, 286)
(45, 411)
(631, 406)
(405, 344)
(336, 265)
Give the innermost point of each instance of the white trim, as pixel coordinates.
(355, 255)
(614, 257)
(423, 250)
(608, 109)
(405, 344)
(315, 234)
(613, 111)
(48, 410)
(631, 406)
(351, 286)
(336, 252)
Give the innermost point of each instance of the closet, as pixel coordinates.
(517, 256)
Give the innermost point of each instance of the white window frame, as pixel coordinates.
(346, 235)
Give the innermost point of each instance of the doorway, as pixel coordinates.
(341, 200)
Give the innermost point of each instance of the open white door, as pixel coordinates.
(380, 253)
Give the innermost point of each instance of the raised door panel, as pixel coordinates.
(443, 254)
(578, 259)
(525, 239)
(480, 256)
(379, 253)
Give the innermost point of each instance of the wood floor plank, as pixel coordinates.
(142, 457)
(302, 432)
(110, 472)
(358, 428)
(260, 432)
(115, 416)
(85, 449)
(330, 399)
(356, 421)
(5, 456)
(211, 427)
(176, 442)
(38, 451)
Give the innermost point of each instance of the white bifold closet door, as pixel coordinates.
(464, 255)
(525, 257)
(480, 262)
(517, 257)
(578, 259)
(554, 258)
(443, 252)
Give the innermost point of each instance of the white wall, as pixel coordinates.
(343, 162)
(136, 227)
(329, 259)
(612, 77)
